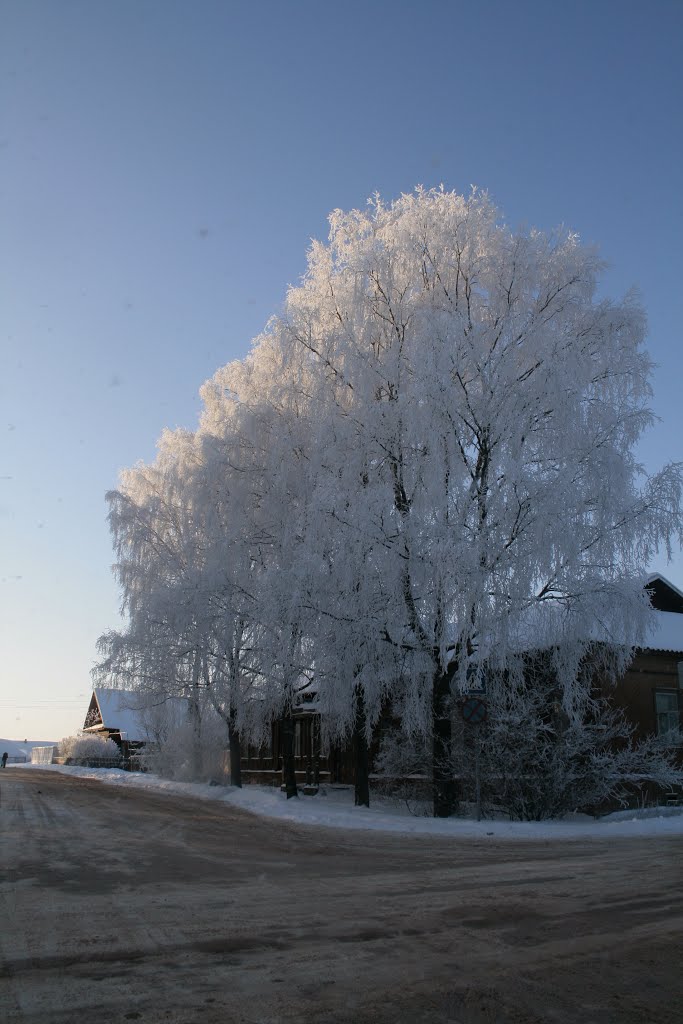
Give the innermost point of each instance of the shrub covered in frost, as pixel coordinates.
(403, 770)
(188, 751)
(82, 748)
(537, 759)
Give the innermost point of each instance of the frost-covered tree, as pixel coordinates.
(477, 408)
(425, 465)
(177, 566)
(250, 421)
(157, 570)
(198, 535)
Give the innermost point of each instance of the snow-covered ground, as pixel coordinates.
(333, 807)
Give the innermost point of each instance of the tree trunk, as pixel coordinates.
(196, 719)
(444, 789)
(360, 752)
(288, 769)
(235, 752)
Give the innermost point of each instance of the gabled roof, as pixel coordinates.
(664, 596)
(116, 711)
(667, 621)
(545, 625)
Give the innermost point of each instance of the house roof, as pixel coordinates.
(664, 596)
(666, 633)
(116, 711)
(546, 625)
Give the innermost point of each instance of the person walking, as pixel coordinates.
(4, 759)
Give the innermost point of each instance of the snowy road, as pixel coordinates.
(125, 905)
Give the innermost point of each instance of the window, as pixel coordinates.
(666, 711)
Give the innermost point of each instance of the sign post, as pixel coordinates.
(474, 712)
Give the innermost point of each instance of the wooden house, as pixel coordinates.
(651, 691)
(111, 714)
(313, 765)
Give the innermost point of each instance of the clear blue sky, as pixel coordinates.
(163, 166)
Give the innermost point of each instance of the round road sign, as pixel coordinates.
(474, 710)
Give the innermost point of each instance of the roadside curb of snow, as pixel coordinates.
(326, 812)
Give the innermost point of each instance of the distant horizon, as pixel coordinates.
(7, 739)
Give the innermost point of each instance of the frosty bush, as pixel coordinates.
(537, 762)
(80, 748)
(402, 770)
(188, 751)
(540, 756)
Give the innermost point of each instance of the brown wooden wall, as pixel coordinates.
(635, 693)
(264, 764)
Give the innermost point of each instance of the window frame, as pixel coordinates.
(673, 713)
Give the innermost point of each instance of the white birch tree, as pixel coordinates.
(491, 405)
(426, 463)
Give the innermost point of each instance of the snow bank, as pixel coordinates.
(333, 807)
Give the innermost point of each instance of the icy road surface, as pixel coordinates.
(120, 904)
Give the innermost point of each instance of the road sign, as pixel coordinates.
(474, 710)
(476, 682)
